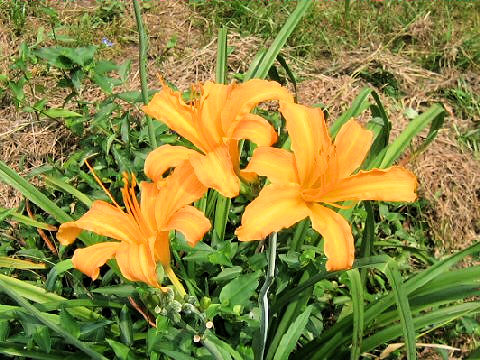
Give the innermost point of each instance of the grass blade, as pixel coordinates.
(222, 209)
(12, 349)
(25, 219)
(414, 127)
(260, 70)
(39, 295)
(32, 310)
(290, 338)
(356, 290)
(69, 189)
(435, 318)
(403, 307)
(10, 177)
(372, 312)
(359, 104)
(11, 263)
(221, 68)
(368, 237)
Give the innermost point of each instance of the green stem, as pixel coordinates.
(263, 295)
(176, 283)
(142, 64)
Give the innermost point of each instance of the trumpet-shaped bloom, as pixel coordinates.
(318, 172)
(213, 123)
(141, 230)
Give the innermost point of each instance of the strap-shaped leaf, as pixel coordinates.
(260, 69)
(408, 328)
(414, 127)
(32, 310)
(356, 291)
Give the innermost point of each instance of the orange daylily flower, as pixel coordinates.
(319, 171)
(142, 230)
(213, 123)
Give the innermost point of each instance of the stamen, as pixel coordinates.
(131, 203)
(99, 182)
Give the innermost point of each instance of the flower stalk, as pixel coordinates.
(263, 295)
(142, 64)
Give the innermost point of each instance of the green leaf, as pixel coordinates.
(239, 290)
(414, 127)
(121, 350)
(222, 209)
(66, 58)
(289, 295)
(221, 67)
(438, 317)
(11, 263)
(260, 70)
(120, 290)
(359, 104)
(10, 291)
(69, 323)
(61, 113)
(25, 219)
(290, 338)
(39, 295)
(403, 307)
(368, 237)
(11, 178)
(42, 338)
(12, 349)
(58, 269)
(356, 291)
(125, 324)
(220, 349)
(69, 189)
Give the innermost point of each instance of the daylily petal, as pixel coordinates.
(68, 232)
(310, 140)
(162, 248)
(181, 188)
(352, 144)
(164, 157)
(215, 170)
(103, 219)
(191, 222)
(214, 97)
(235, 157)
(167, 106)
(275, 208)
(256, 129)
(337, 234)
(89, 260)
(136, 263)
(278, 165)
(244, 97)
(148, 199)
(393, 184)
